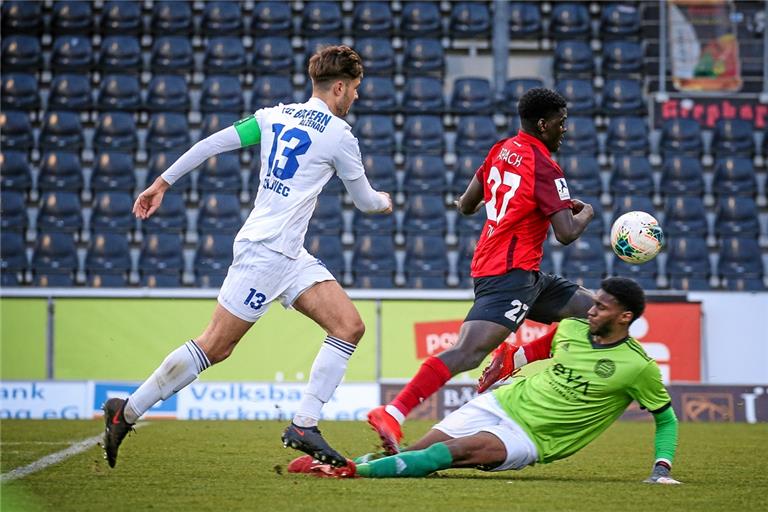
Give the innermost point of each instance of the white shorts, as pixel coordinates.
(258, 276)
(484, 414)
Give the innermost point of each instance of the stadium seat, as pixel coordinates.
(424, 174)
(21, 53)
(631, 203)
(70, 92)
(734, 176)
(71, 17)
(159, 162)
(60, 170)
(372, 19)
(420, 19)
(597, 227)
(688, 263)
(326, 219)
(627, 136)
(72, 53)
(118, 92)
(115, 131)
(273, 56)
(22, 17)
(376, 94)
(120, 54)
(685, 216)
(736, 216)
(272, 18)
(172, 54)
(214, 121)
(224, 55)
(375, 134)
(380, 171)
(167, 93)
(733, 137)
(475, 134)
(573, 59)
(212, 259)
(424, 213)
(219, 212)
(570, 20)
(424, 94)
(321, 19)
(471, 224)
(472, 95)
(314, 44)
(171, 18)
(222, 19)
(221, 173)
(622, 58)
(60, 211)
(108, 261)
(584, 262)
(466, 167)
(168, 131)
(682, 175)
(13, 258)
(632, 175)
(619, 21)
(328, 249)
(579, 94)
(466, 250)
(112, 212)
(377, 54)
(470, 20)
(121, 17)
(160, 261)
(740, 266)
(581, 137)
(13, 211)
(16, 131)
(644, 274)
(113, 171)
(171, 217)
(268, 91)
(19, 92)
(222, 94)
(372, 224)
(681, 137)
(622, 97)
(426, 264)
(15, 173)
(524, 20)
(423, 134)
(62, 130)
(582, 173)
(54, 261)
(424, 57)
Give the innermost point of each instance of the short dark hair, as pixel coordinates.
(333, 63)
(627, 293)
(540, 103)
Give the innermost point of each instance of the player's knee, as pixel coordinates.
(351, 331)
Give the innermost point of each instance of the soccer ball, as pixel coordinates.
(636, 237)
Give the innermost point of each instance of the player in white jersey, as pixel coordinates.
(302, 146)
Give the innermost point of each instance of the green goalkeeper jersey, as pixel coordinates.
(585, 388)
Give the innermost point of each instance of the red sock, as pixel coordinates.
(540, 348)
(432, 375)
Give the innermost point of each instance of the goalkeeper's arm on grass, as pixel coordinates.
(666, 444)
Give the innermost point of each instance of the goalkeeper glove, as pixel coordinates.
(660, 475)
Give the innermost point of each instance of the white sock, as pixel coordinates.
(327, 371)
(180, 368)
(395, 413)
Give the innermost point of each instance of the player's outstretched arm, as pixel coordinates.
(367, 199)
(666, 444)
(150, 200)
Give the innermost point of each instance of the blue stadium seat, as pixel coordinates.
(121, 17)
(420, 19)
(373, 262)
(71, 17)
(466, 166)
(622, 58)
(472, 95)
(113, 170)
(108, 261)
(372, 224)
(424, 57)
(570, 20)
(424, 174)
(426, 264)
(681, 137)
(622, 97)
(268, 91)
(60, 170)
(584, 262)
(328, 249)
(13, 258)
(424, 94)
(224, 55)
(626, 204)
(214, 122)
(734, 176)
(581, 137)
(375, 134)
(372, 19)
(60, 211)
(15, 173)
(524, 20)
(573, 59)
(582, 173)
(219, 212)
(120, 54)
(19, 92)
(579, 94)
(171, 217)
(222, 94)
(377, 54)
(72, 53)
(160, 261)
(597, 227)
(115, 131)
(212, 259)
(21, 53)
(54, 261)
(470, 20)
(22, 17)
(471, 224)
(171, 54)
(327, 219)
(159, 162)
(16, 131)
(685, 216)
(632, 175)
(273, 56)
(466, 251)
(423, 134)
(170, 18)
(736, 216)
(682, 175)
(221, 173)
(627, 136)
(62, 130)
(740, 266)
(376, 94)
(424, 213)
(222, 19)
(321, 19)
(380, 170)
(733, 137)
(315, 44)
(70, 92)
(112, 212)
(475, 134)
(619, 21)
(13, 211)
(119, 92)
(688, 263)
(273, 18)
(167, 93)
(168, 131)
(644, 274)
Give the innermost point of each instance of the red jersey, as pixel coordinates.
(522, 187)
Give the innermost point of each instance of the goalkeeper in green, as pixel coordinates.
(595, 371)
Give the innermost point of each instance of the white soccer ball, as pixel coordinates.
(636, 237)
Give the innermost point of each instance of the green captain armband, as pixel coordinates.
(248, 130)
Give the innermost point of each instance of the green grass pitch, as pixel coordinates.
(229, 466)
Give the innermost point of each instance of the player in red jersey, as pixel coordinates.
(524, 191)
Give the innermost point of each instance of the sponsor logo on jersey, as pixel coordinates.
(562, 189)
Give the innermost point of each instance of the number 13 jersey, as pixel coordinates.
(522, 188)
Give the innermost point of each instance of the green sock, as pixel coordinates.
(408, 464)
